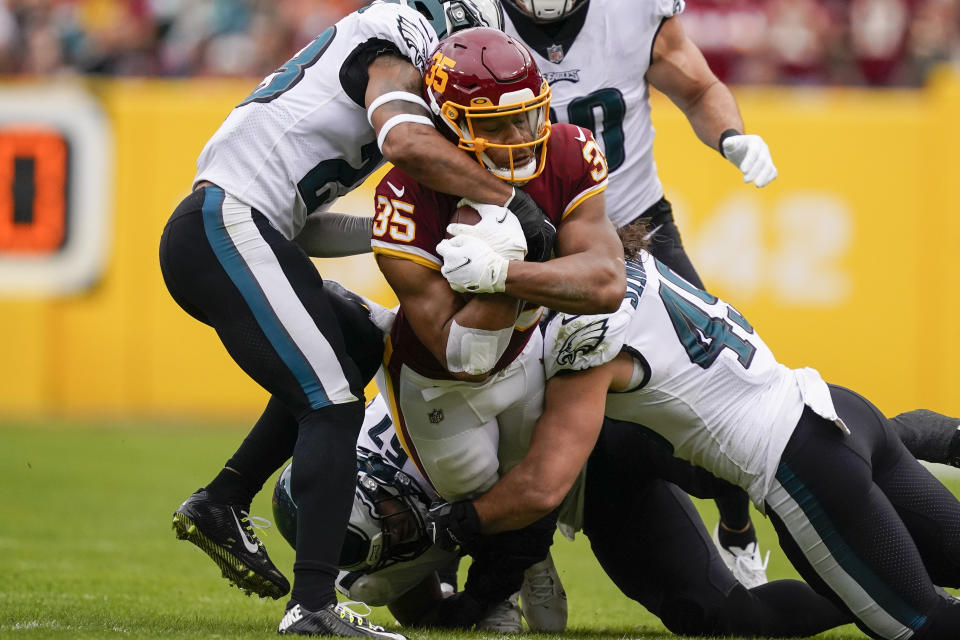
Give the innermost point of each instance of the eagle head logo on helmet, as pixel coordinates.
(478, 74)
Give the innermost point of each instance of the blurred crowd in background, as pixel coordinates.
(832, 42)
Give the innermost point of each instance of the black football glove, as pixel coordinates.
(453, 525)
(537, 228)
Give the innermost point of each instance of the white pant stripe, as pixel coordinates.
(864, 607)
(303, 331)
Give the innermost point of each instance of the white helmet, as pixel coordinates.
(547, 10)
(449, 16)
(386, 523)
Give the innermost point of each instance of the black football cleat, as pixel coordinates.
(224, 532)
(332, 620)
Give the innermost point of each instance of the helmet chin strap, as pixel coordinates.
(519, 173)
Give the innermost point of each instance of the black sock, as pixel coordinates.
(229, 487)
(735, 529)
(736, 538)
(268, 445)
(324, 475)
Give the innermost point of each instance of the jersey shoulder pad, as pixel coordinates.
(576, 343)
(576, 162)
(402, 25)
(398, 184)
(569, 134)
(572, 143)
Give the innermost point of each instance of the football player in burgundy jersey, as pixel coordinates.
(464, 360)
(462, 372)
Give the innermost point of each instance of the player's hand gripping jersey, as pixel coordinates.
(592, 83)
(411, 220)
(704, 379)
(302, 139)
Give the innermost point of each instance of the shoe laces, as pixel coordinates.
(540, 585)
(345, 612)
(250, 523)
(749, 559)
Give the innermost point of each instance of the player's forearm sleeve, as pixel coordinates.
(333, 235)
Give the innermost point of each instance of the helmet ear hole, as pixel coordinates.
(463, 14)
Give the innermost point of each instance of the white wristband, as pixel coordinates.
(390, 96)
(398, 119)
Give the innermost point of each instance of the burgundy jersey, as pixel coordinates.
(411, 220)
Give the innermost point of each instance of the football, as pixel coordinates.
(463, 215)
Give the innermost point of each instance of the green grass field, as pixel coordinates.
(86, 549)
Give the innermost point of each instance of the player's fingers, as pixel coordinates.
(766, 176)
(751, 166)
(733, 149)
(456, 228)
(449, 246)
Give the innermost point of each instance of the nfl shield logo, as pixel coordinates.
(436, 416)
(555, 53)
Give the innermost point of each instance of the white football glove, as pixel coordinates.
(471, 266)
(751, 155)
(498, 227)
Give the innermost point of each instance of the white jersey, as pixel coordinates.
(379, 436)
(382, 587)
(709, 385)
(599, 84)
(302, 139)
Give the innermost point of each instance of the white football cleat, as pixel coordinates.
(503, 618)
(542, 598)
(745, 564)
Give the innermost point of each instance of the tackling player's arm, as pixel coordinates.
(432, 308)
(333, 235)
(679, 70)
(562, 441)
(418, 148)
(588, 276)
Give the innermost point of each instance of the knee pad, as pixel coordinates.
(372, 590)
